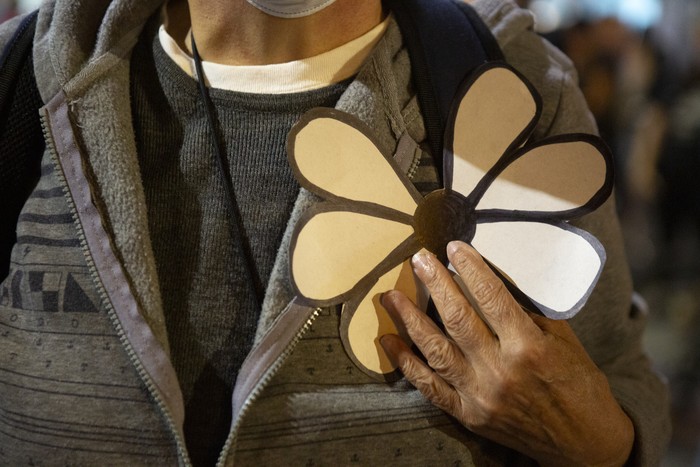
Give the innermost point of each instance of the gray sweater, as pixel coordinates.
(211, 312)
(88, 378)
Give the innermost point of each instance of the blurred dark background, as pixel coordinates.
(639, 68)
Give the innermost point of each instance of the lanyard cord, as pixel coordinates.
(236, 226)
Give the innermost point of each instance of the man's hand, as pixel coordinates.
(516, 378)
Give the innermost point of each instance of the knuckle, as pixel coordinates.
(436, 394)
(526, 353)
(489, 293)
(442, 356)
(443, 295)
(411, 319)
(429, 384)
(411, 369)
(494, 405)
(490, 415)
(457, 317)
(485, 414)
(440, 398)
(461, 259)
(505, 385)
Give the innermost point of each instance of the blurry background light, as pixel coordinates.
(548, 17)
(556, 14)
(24, 6)
(639, 14)
(599, 8)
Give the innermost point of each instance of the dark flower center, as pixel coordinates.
(441, 217)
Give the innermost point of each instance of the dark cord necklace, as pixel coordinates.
(237, 227)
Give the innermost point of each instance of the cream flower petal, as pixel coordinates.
(363, 324)
(569, 175)
(333, 251)
(334, 154)
(496, 114)
(555, 266)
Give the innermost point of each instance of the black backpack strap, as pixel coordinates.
(21, 137)
(446, 41)
(14, 55)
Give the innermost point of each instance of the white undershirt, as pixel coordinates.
(300, 75)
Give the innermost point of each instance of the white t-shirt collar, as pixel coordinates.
(297, 76)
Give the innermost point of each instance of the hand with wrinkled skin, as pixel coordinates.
(514, 377)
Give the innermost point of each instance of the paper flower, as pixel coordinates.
(508, 198)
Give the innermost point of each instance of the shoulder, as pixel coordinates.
(550, 71)
(513, 28)
(8, 29)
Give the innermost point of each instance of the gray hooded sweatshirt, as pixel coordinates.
(85, 370)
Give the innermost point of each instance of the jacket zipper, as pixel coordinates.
(126, 344)
(257, 390)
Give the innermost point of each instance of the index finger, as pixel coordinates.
(461, 322)
(488, 294)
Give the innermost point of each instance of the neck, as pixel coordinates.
(233, 32)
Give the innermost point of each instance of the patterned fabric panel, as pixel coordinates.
(321, 410)
(69, 395)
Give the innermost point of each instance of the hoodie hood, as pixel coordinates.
(77, 41)
(82, 49)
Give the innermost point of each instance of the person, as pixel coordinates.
(146, 319)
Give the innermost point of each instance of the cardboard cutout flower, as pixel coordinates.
(509, 199)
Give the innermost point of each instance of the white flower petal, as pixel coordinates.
(556, 266)
(496, 113)
(335, 250)
(563, 175)
(333, 152)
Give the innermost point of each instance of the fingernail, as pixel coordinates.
(423, 262)
(382, 340)
(385, 342)
(386, 299)
(452, 246)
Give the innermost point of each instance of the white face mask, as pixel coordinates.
(290, 8)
